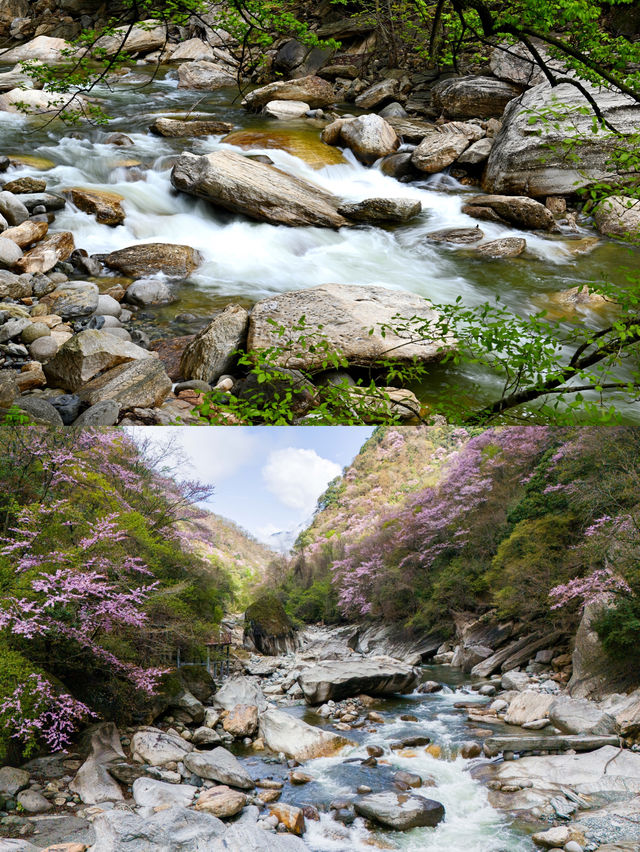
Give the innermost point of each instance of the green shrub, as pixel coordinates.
(14, 670)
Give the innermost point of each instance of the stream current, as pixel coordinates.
(471, 824)
(245, 261)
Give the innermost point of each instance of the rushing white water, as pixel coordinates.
(471, 823)
(249, 260)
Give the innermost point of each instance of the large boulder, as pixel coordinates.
(177, 128)
(312, 90)
(221, 801)
(247, 836)
(174, 828)
(142, 38)
(510, 209)
(88, 353)
(175, 261)
(149, 792)
(268, 628)
(204, 75)
(529, 706)
(533, 158)
(219, 765)
(376, 211)
(282, 732)
(142, 383)
(158, 747)
(254, 189)
(211, 352)
(619, 216)
(42, 49)
(400, 811)
(242, 720)
(347, 315)
(473, 97)
(92, 782)
(38, 102)
(437, 151)
(342, 679)
(240, 690)
(580, 716)
(369, 137)
(12, 780)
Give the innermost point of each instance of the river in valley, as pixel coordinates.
(245, 261)
(470, 825)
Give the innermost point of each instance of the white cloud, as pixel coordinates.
(298, 477)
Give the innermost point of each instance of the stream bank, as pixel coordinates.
(255, 765)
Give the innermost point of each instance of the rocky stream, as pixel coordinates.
(123, 245)
(344, 740)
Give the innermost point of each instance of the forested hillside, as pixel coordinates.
(107, 568)
(523, 523)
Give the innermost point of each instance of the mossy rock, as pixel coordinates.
(268, 626)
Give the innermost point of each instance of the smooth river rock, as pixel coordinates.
(580, 716)
(283, 732)
(175, 828)
(342, 679)
(380, 210)
(242, 185)
(211, 352)
(219, 765)
(369, 137)
(141, 383)
(152, 793)
(473, 96)
(159, 747)
(511, 210)
(311, 90)
(204, 75)
(175, 261)
(400, 811)
(346, 314)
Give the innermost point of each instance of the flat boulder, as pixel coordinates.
(176, 128)
(400, 811)
(259, 191)
(438, 150)
(211, 352)
(73, 299)
(47, 253)
(286, 110)
(221, 801)
(342, 679)
(283, 732)
(311, 89)
(204, 75)
(176, 828)
(529, 706)
(42, 49)
(158, 747)
(531, 158)
(503, 247)
(219, 765)
(580, 716)
(346, 313)
(511, 210)
(88, 353)
(619, 216)
(381, 210)
(175, 261)
(142, 38)
(149, 792)
(473, 96)
(457, 236)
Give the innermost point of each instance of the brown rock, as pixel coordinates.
(269, 796)
(290, 816)
(31, 376)
(105, 206)
(47, 253)
(512, 210)
(504, 247)
(312, 90)
(175, 261)
(221, 801)
(242, 720)
(25, 184)
(175, 128)
(170, 353)
(142, 383)
(439, 150)
(27, 233)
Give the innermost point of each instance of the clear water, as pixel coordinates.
(246, 261)
(470, 824)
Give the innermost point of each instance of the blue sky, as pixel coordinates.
(267, 479)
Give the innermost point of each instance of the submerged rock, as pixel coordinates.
(302, 144)
(512, 210)
(254, 189)
(400, 811)
(342, 679)
(176, 128)
(374, 210)
(104, 205)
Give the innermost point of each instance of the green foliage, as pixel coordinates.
(618, 628)
(14, 670)
(317, 603)
(267, 615)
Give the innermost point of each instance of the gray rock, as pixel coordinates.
(12, 208)
(141, 383)
(210, 354)
(151, 793)
(249, 837)
(312, 90)
(515, 680)
(10, 253)
(49, 200)
(204, 75)
(400, 811)
(262, 192)
(149, 292)
(240, 690)
(378, 94)
(618, 216)
(34, 331)
(374, 210)
(346, 313)
(33, 802)
(512, 210)
(473, 96)
(12, 328)
(282, 732)
(342, 679)
(219, 765)
(13, 780)
(92, 782)
(457, 236)
(39, 410)
(176, 829)
(72, 300)
(393, 110)
(580, 716)
(120, 333)
(108, 306)
(439, 150)
(157, 747)
(43, 349)
(104, 413)
(504, 247)
(15, 286)
(477, 153)
(68, 405)
(175, 261)
(369, 137)
(525, 161)
(205, 736)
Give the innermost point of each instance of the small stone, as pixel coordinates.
(33, 802)
(35, 330)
